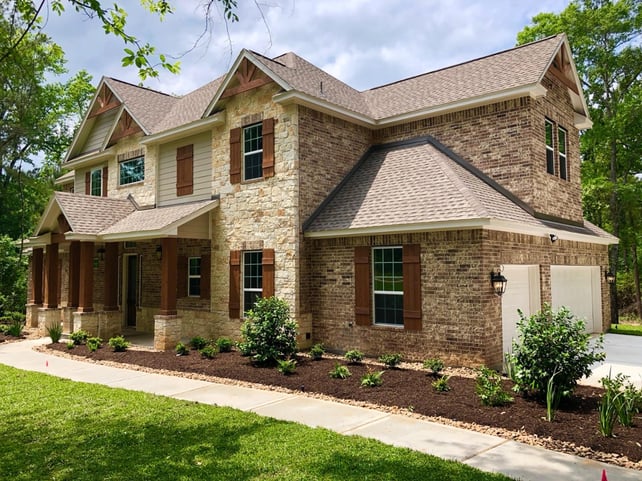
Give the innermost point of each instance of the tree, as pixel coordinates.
(604, 36)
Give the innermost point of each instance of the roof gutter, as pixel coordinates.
(90, 158)
(181, 131)
(300, 98)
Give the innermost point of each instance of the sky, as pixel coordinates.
(364, 43)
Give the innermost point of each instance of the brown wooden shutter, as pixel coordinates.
(235, 285)
(87, 183)
(104, 181)
(363, 299)
(206, 269)
(181, 272)
(235, 155)
(268, 147)
(268, 272)
(412, 287)
(185, 170)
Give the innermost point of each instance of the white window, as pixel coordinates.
(252, 278)
(561, 148)
(194, 277)
(550, 148)
(253, 152)
(96, 179)
(387, 280)
(131, 171)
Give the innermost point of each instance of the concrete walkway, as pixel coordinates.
(482, 451)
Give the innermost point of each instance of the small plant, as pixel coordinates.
(553, 396)
(54, 331)
(244, 348)
(434, 365)
(15, 328)
(489, 388)
(354, 356)
(390, 360)
(79, 337)
(620, 402)
(441, 384)
(224, 344)
(317, 351)
(118, 343)
(181, 349)
(208, 352)
(372, 379)
(93, 343)
(340, 371)
(197, 343)
(286, 366)
(631, 405)
(70, 345)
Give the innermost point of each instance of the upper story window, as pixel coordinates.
(387, 281)
(253, 152)
(131, 170)
(561, 148)
(550, 147)
(96, 182)
(194, 277)
(556, 150)
(252, 278)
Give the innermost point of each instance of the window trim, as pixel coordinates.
(245, 155)
(245, 290)
(563, 173)
(91, 182)
(376, 292)
(191, 276)
(550, 148)
(124, 161)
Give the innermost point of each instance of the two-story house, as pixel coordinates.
(380, 216)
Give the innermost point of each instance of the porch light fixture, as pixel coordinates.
(498, 281)
(159, 252)
(553, 237)
(609, 276)
(101, 254)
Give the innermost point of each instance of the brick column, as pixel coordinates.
(51, 277)
(36, 276)
(86, 290)
(111, 276)
(168, 276)
(74, 273)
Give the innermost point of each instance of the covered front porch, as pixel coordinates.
(108, 267)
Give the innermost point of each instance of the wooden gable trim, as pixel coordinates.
(105, 100)
(249, 77)
(125, 127)
(561, 69)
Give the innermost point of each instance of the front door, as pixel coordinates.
(131, 295)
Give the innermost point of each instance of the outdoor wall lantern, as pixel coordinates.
(498, 281)
(101, 254)
(610, 277)
(159, 252)
(553, 237)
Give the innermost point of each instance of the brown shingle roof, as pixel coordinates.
(89, 214)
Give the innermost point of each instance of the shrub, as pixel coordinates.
(317, 351)
(93, 343)
(489, 388)
(354, 356)
(391, 360)
(434, 365)
(3, 328)
(197, 343)
(54, 331)
(181, 349)
(269, 332)
(15, 329)
(118, 343)
(372, 379)
(441, 384)
(224, 344)
(208, 352)
(79, 337)
(244, 348)
(620, 401)
(549, 342)
(286, 366)
(70, 345)
(340, 372)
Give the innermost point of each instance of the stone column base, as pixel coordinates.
(67, 314)
(87, 321)
(32, 315)
(47, 317)
(167, 332)
(110, 324)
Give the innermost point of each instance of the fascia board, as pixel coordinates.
(90, 158)
(70, 236)
(546, 231)
(195, 127)
(300, 98)
(466, 224)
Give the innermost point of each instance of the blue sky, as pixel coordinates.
(365, 43)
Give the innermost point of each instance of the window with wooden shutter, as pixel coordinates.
(235, 155)
(206, 269)
(412, 287)
(268, 272)
(185, 170)
(363, 299)
(234, 303)
(104, 181)
(181, 284)
(268, 148)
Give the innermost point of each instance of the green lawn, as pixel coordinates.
(628, 329)
(57, 429)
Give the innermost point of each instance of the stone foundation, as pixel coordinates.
(67, 314)
(32, 315)
(110, 324)
(47, 317)
(87, 321)
(167, 332)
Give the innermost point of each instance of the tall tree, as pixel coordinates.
(605, 39)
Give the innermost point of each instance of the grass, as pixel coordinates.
(628, 329)
(57, 429)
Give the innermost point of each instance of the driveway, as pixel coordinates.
(623, 354)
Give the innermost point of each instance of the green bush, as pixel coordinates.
(181, 349)
(317, 351)
(390, 360)
(79, 337)
(286, 366)
(224, 344)
(93, 343)
(621, 401)
(269, 332)
(441, 384)
(340, 372)
(372, 379)
(489, 388)
(434, 365)
(208, 352)
(70, 345)
(118, 343)
(15, 329)
(549, 342)
(54, 331)
(197, 343)
(354, 356)
(244, 348)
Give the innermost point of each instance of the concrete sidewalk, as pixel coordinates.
(482, 451)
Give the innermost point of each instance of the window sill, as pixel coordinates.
(140, 182)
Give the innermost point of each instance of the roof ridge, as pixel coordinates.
(142, 87)
(271, 59)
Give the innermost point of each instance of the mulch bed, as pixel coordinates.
(410, 390)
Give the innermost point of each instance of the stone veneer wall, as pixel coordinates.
(461, 314)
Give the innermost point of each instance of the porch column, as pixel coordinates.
(74, 273)
(36, 276)
(86, 288)
(51, 277)
(111, 276)
(168, 276)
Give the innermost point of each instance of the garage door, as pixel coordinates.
(523, 293)
(578, 288)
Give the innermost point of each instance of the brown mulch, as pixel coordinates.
(409, 390)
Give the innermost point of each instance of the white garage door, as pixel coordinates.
(578, 288)
(523, 293)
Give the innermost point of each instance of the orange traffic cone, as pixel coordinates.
(604, 478)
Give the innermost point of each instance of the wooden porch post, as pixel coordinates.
(51, 277)
(86, 288)
(36, 276)
(111, 276)
(168, 276)
(74, 273)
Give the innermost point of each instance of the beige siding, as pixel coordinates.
(101, 129)
(202, 170)
(79, 179)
